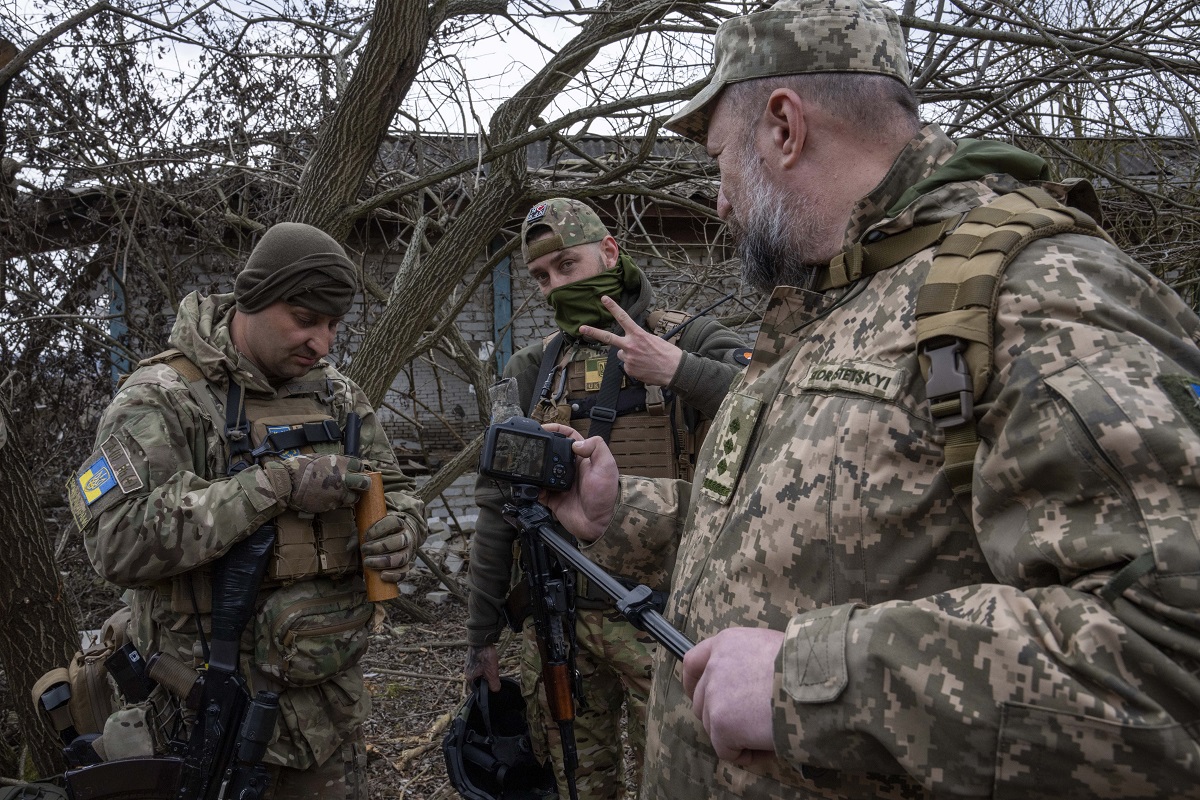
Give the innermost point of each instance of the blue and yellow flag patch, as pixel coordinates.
(96, 480)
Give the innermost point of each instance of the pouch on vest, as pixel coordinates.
(305, 545)
(81, 696)
(308, 632)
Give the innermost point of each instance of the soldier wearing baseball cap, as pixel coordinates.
(662, 400)
(930, 548)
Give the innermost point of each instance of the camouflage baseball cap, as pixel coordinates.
(796, 37)
(570, 222)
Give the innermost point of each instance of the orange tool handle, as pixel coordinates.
(370, 509)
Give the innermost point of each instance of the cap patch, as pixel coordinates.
(536, 213)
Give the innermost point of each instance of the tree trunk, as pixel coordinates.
(37, 631)
(422, 292)
(349, 140)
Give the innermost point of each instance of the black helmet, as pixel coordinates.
(488, 752)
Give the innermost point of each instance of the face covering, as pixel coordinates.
(579, 303)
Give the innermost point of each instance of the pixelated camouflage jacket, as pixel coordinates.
(932, 649)
(700, 382)
(182, 512)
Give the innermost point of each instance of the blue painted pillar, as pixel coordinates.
(117, 329)
(502, 308)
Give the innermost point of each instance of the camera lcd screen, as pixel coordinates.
(517, 454)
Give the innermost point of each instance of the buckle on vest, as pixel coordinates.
(948, 387)
(603, 414)
(324, 431)
(656, 404)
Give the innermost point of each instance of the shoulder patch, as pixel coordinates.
(859, 377)
(743, 357)
(1184, 393)
(96, 479)
(90, 490)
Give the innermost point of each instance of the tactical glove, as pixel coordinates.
(389, 547)
(321, 483)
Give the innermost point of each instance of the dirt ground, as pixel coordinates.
(414, 673)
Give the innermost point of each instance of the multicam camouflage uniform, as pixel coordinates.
(614, 658)
(175, 511)
(936, 649)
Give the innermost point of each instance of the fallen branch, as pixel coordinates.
(446, 580)
(432, 735)
(401, 673)
(421, 648)
(412, 609)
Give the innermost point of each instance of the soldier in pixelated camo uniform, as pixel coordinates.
(575, 262)
(863, 631)
(156, 504)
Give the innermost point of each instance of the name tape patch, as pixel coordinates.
(859, 377)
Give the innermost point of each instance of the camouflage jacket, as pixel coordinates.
(175, 511)
(700, 382)
(933, 648)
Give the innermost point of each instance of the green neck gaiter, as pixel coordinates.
(579, 303)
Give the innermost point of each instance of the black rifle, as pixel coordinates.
(222, 755)
(550, 561)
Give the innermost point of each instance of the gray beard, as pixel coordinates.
(781, 240)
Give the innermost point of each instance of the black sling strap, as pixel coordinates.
(604, 412)
(237, 427)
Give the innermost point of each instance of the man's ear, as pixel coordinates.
(609, 251)
(786, 128)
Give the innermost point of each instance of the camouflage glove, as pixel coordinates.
(389, 546)
(321, 483)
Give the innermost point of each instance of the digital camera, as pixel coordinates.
(521, 451)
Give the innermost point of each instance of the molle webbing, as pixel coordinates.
(304, 547)
(642, 445)
(649, 437)
(863, 260)
(956, 310)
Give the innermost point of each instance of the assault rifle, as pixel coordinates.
(550, 561)
(529, 458)
(221, 756)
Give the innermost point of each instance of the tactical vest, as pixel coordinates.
(650, 435)
(305, 545)
(956, 307)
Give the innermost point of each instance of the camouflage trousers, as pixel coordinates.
(343, 776)
(614, 659)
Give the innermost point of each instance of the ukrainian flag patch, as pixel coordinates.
(96, 480)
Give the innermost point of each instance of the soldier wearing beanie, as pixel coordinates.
(942, 538)
(178, 436)
(664, 393)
